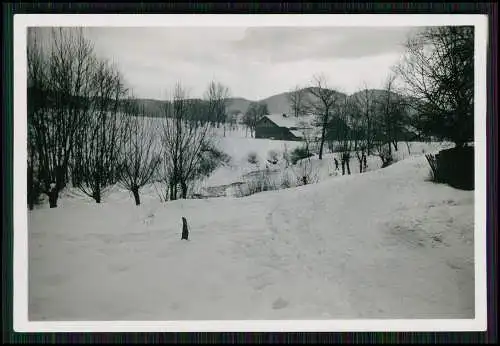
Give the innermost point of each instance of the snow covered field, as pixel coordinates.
(382, 244)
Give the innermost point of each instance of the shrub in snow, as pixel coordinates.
(300, 153)
(260, 182)
(286, 155)
(384, 153)
(252, 158)
(286, 182)
(305, 173)
(272, 157)
(211, 158)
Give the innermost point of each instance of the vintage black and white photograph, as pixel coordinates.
(256, 172)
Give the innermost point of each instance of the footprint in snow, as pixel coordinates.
(280, 303)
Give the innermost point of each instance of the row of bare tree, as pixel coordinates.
(369, 122)
(434, 99)
(85, 128)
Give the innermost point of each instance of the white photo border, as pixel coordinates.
(21, 322)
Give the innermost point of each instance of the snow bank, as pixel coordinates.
(383, 244)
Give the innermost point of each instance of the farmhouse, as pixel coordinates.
(283, 127)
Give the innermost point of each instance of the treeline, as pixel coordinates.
(85, 129)
(434, 99)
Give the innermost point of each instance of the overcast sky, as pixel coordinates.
(254, 63)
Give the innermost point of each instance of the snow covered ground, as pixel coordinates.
(237, 171)
(382, 244)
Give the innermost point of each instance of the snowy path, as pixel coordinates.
(358, 228)
(384, 244)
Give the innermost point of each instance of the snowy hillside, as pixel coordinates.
(383, 244)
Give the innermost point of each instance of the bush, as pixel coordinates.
(454, 167)
(305, 173)
(272, 157)
(252, 158)
(257, 183)
(299, 154)
(210, 159)
(385, 155)
(286, 182)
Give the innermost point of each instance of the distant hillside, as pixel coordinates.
(152, 107)
(378, 94)
(237, 104)
(375, 94)
(276, 104)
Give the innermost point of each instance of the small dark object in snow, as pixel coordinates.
(185, 232)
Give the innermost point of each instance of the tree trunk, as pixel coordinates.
(173, 196)
(53, 195)
(184, 190)
(31, 189)
(322, 142)
(97, 194)
(348, 167)
(408, 146)
(135, 191)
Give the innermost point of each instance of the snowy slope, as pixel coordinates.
(383, 244)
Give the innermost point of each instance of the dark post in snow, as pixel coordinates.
(185, 232)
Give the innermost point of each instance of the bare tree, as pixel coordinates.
(390, 120)
(297, 101)
(254, 113)
(140, 157)
(438, 69)
(286, 155)
(232, 122)
(358, 132)
(324, 105)
(59, 89)
(102, 136)
(189, 150)
(33, 186)
(309, 139)
(347, 136)
(216, 95)
(366, 104)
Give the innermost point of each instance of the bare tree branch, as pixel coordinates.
(324, 104)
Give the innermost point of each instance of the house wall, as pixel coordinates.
(267, 129)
